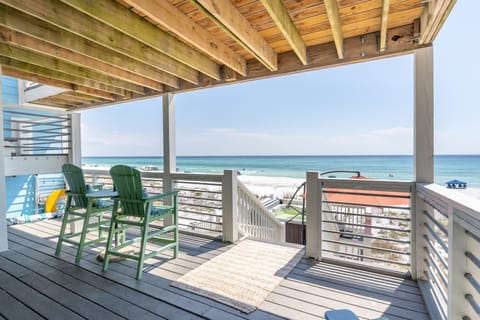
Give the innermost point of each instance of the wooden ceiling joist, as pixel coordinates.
(283, 21)
(384, 25)
(325, 55)
(43, 32)
(24, 41)
(228, 18)
(334, 18)
(54, 103)
(169, 17)
(127, 22)
(81, 95)
(67, 18)
(55, 64)
(48, 73)
(58, 83)
(75, 99)
(106, 51)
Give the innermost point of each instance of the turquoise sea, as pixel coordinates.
(447, 167)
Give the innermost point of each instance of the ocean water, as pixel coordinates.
(446, 167)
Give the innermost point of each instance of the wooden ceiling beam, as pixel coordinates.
(169, 17)
(48, 73)
(81, 95)
(96, 93)
(24, 41)
(432, 19)
(73, 21)
(45, 32)
(228, 18)
(282, 19)
(384, 25)
(127, 22)
(51, 103)
(57, 83)
(334, 18)
(56, 100)
(55, 64)
(357, 49)
(68, 97)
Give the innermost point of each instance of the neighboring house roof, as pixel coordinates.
(368, 198)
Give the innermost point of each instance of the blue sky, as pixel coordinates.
(365, 108)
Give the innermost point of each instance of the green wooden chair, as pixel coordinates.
(80, 208)
(133, 208)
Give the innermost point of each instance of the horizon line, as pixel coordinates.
(277, 155)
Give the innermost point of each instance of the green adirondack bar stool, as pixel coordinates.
(133, 208)
(80, 208)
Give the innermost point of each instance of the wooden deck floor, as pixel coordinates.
(34, 284)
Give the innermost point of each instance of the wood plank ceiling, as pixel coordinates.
(105, 51)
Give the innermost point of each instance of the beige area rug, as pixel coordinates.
(243, 276)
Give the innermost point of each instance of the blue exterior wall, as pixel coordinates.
(21, 191)
(20, 196)
(10, 90)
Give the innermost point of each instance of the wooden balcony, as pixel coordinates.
(36, 284)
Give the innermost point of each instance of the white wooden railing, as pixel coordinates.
(366, 223)
(448, 247)
(443, 241)
(199, 199)
(215, 205)
(255, 220)
(35, 142)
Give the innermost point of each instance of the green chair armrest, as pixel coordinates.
(160, 196)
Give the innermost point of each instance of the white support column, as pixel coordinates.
(75, 155)
(3, 190)
(423, 127)
(169, 146)
(314, 214)
(229, 206)
(423, 149)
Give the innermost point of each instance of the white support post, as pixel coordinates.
(423, 149)
(229, 206)
(3, 190)
(457, 266)
(75, 155)
(169, 146)
(423, 128)
(314, 214)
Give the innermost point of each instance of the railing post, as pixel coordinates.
(314, 217)
(169, 146)
(457, 266)
(417, 241)
(283, 232)
(75, 154)
(229, 206)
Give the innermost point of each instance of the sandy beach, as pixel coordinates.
(271, 187)
(283, 187)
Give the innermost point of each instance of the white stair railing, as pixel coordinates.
(255, 220)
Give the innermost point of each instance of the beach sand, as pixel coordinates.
(283, 187)
(271, 187)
